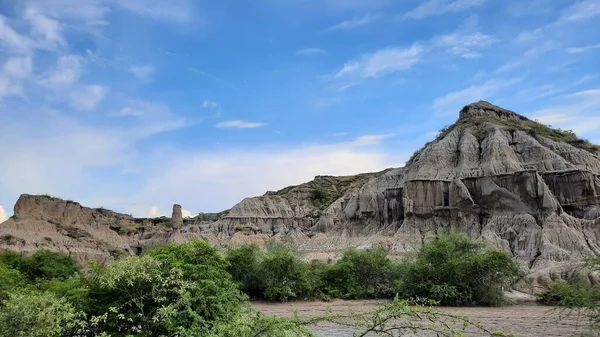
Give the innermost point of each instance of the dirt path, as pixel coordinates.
(522, 320)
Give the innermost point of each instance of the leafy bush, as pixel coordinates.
(10, 279)
(284, 275)
(451, 269)
(43, 264)
(36, 314)
(577, 294)
(362, 274)
(244, 267)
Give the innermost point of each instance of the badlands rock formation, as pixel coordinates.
(494, 174)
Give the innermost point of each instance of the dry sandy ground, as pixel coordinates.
(522, 320)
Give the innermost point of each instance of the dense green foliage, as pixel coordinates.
(450, 269)
(36, 314)
(193, 290)
(244, 267)
(453, 270)
(577, 294)
(363, 274)
(43, 264)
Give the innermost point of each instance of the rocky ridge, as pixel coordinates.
(494, 174)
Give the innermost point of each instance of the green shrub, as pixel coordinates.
(454, 270)
(10, 279)
(577, 294)
(43, 264)
(36, 314)
(284, 276)
(361, 274)
(11, 259)
(244, 267)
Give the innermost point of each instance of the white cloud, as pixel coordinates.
(154, 212)
(18, 67)
(438, 7)
(239, 124)
(452, 102)
(355, 5)
(142, 72)
(356, 22)
(87, 97)
(580, 11)
(577, 112)
(528, 56)
(153, 118)
(43, 26)
(382, 62)
(8, 87)
(208, 104)
(3, 215)
(88, 12)
(326, 102)
(12, 40)
(186, 214)
(466, 45)
(65, 73)
(224, 174)
(178, 11)
(577, 50)
(310, 51)
(370, 139)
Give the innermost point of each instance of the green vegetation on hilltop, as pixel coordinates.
(324, 190)
(533, 127)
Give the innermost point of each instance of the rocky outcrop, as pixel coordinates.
(494, 175)
(44, 222)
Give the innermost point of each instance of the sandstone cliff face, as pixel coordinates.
(494, 174)
(43, 222)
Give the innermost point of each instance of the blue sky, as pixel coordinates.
(135, 105)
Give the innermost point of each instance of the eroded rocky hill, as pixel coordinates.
(494, 174)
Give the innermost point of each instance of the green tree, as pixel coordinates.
(43, 264)
(244, 267)
(284, 275)
(36, 314)
(175, 290)
(362, 274)
(454, 270)
(10, 279)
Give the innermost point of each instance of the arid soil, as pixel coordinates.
(521, 320)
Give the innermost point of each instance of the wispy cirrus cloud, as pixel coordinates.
(577, 50)
(356, 22)
(143, 72)
(239, 124)
(576, 111)
(65, 73)
(581, 11)
(18, 67)
(430, 8)
(87, 97)
(468, 45)
(381, 62)
(310, 51)
(453, 101)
